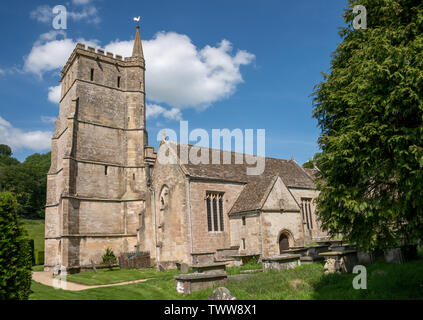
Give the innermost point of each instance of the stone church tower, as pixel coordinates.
(100, 161)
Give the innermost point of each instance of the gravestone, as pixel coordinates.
(221, 293)
(188, 283)
(184, 268)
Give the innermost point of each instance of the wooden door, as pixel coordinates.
(283, 243)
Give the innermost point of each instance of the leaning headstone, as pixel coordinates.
(393, 256)
(161, 268)
(365, 257)
(222, 293)
(184, 268)
(93, 265)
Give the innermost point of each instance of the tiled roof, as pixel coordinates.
(251, 197)
(312, 172)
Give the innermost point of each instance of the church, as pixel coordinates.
(106, 189)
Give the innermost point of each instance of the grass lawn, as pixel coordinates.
(385, 281)
(35, 230)
(107, 276)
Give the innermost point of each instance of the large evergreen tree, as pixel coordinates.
(370, 110)
(15, 252)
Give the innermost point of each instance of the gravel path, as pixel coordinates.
(45, 277)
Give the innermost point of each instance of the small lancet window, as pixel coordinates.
(105, 170)
(133, 176)
(118, 82)
(92, 75)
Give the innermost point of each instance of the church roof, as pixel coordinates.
(312, 172)
(291, 173)
(256, 186)
(254, 194)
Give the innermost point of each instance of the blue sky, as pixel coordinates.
(260, 77)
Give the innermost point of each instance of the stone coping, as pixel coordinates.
(200, 276)
(283, 257)
(334, 246)
(245, 255)
(294, 250)
(201, 253)
(311, 258)
(206, 265)
(337, 253)
(319, 246)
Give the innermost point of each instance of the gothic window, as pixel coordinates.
(244, 222)
(92, 75)
(214, 207)
(118, 82)
(209, 220)
(105, 170)
(306, 212)
(243, 243)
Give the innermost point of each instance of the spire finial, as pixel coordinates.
(137, 50)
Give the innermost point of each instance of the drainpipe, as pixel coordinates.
(189, 215)
(155, 229)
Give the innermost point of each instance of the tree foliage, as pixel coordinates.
(370, 111)
(311, 164)
(15, 252)
(27, 180)
(109, 258)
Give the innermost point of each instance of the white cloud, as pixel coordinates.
(49, 53)
(54, 94)
(85, 12)
(178, 74)
(154, 111)
(19, 139)
(182, 76)
(47, 119)
(42, 14)
(81, 2)
(89, 14)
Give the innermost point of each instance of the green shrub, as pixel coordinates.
(39, 257)
(31, 245)
(15, 252)
(109, 258)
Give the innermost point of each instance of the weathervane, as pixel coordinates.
(137, 19)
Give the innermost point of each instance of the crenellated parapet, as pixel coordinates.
(101, 56)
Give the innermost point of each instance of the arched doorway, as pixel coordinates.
(283, 242)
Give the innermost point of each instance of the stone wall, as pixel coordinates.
(250, 232)
(316, 232)
(273, 224)
(203, 240)
(96, 188)
(164, 228)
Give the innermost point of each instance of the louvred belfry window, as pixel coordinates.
(214, 206)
